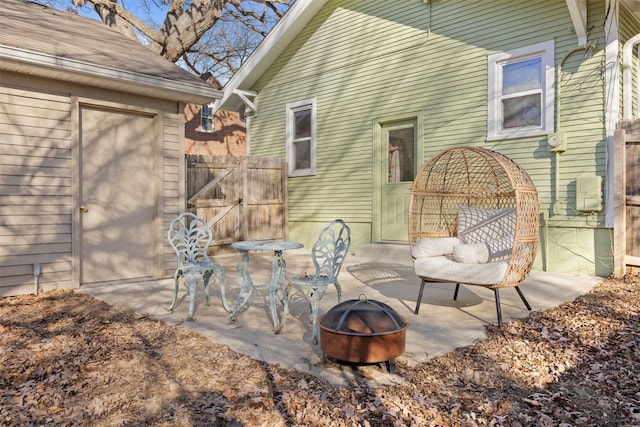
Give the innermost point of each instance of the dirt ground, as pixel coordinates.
(67, 359)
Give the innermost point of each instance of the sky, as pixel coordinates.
(137, 7)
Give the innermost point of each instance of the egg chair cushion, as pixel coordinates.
(471, 253)
(476, 225)
(434, 246)
(493, 227)
(447, 269)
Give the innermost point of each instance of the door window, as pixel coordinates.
(401, 149)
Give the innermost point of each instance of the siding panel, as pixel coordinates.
(35, 187)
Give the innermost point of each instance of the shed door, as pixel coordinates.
(117, 195)
(399, 166)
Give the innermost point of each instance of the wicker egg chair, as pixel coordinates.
(478, 178)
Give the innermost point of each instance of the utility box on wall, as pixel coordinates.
(589, 193)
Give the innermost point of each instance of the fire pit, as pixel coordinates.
(363, 331)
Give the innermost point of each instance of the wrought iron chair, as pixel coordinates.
(190, 238)
(328, 253)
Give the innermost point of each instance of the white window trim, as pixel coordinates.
(292, 107)
(546, 52)
(213, 120)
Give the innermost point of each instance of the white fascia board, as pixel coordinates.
(282, 34)
(578, 12)
(34, 63)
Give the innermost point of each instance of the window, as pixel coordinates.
(400, 139)
(206, 118)
(521, 92)
(301, 137)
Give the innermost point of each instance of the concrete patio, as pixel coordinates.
(380, 272)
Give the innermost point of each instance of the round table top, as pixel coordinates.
(265, 245)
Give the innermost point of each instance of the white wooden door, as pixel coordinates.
(117, 195)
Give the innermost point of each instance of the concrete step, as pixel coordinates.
(385, 252)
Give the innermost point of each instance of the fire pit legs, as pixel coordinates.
(390, 365)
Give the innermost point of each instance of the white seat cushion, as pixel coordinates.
(446, 269)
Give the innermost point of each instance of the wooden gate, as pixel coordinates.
(242, 198)
(626, 158)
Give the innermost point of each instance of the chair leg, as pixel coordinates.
(339, 290)
(314, 295)
(220, 277)
(192, 299)
(206, 276)
(455, 293)
(495, 291)
(419, 296)
(524, 300)
(176, 277)
(191, 279)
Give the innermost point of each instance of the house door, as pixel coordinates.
(117, 202)
(398, 170)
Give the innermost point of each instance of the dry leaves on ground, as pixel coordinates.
(68, 359)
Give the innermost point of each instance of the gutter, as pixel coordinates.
(42, 65)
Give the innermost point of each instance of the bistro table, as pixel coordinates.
(278, 291)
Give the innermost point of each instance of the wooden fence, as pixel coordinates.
(242, 198)
(626, 158)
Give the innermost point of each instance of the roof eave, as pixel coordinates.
(42, 65)
(283, 33)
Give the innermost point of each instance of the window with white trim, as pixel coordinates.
(521, 92)
(206, 118)
(301, 137)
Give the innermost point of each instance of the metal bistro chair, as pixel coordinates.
(190, 238)
(328, 253)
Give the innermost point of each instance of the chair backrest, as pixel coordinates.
(331, 248)
(190, 237)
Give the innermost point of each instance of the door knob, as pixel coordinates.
(84, 209)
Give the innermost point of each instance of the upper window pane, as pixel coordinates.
(522, 76)
(303, 123)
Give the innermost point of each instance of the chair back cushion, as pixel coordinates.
(493, 227)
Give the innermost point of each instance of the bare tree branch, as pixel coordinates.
(205, 34)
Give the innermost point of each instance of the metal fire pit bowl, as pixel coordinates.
(363, 331)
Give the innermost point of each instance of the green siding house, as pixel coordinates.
(358, 94)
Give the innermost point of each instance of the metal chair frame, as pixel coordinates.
(328, 254)
(190, 237)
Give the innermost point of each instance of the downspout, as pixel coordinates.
(555, 208)
(247, 134)
(36, 277)
(627, 77)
